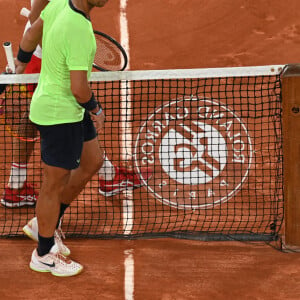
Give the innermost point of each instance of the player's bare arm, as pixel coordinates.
(36, 9)
(28, 44)
(32, 36)
(79, 86)
(81, 90)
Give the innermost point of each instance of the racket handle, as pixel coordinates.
(25, 12)
(9, 56)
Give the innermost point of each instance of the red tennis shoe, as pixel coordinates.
(125, 179)
(26, 196)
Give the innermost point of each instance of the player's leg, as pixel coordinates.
(18, 191)
(31, 229)
(61, 146)
(45, 258)
(90, 162)
(90, 155)
(48, 206)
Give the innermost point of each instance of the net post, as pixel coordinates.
(291, 152)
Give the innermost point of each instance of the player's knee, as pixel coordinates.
(96, 166)
(55, 178)
(91, 168)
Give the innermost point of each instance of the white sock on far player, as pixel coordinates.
(18, 173)
(107, 171)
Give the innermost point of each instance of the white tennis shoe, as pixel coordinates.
(31, 230)
(55, 263)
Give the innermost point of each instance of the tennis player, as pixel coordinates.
(18, 192)
(64, 110)
(112, 179)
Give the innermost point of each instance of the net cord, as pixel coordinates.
(270, 70)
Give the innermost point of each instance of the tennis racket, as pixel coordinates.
(110, 55)
(10, 60)
(14, 107)
(11, 64)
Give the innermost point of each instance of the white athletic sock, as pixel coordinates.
(17, 176)
(107, 171)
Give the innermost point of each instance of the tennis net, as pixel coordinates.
(212, 139)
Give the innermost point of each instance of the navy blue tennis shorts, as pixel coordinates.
(61, 145)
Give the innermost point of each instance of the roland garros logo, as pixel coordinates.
(199, 150)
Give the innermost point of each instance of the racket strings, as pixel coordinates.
(110, 55)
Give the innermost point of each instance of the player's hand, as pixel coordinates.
(20, 67)
(99, 121)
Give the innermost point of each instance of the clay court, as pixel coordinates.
(167, 34)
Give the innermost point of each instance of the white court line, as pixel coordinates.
(129, 275)
(126, 154)
(126, 117)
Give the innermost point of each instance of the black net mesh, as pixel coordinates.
(207, 153)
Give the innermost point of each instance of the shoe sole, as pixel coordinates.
(28, 232)
(52, 272)
(16, 204)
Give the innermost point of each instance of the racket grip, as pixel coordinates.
(25, 12)
(9, 56)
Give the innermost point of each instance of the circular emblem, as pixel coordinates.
(199, 150)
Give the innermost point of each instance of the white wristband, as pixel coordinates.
(98, 112)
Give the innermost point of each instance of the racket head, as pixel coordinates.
(110, 55)
(14, 112)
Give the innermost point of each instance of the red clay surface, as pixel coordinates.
(166, 35)
(164, 269)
